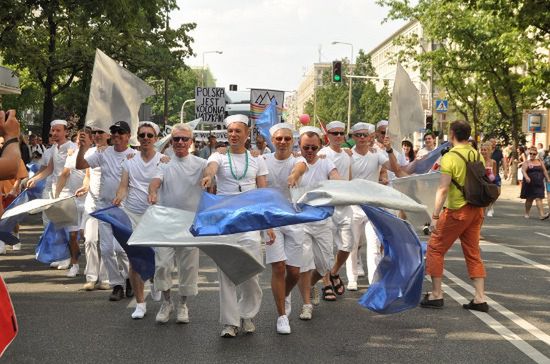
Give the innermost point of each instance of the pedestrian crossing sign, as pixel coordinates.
(441, 105)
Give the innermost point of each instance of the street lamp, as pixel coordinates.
(203, 73)
(350, 80)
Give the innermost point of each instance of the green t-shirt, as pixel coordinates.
(454, 166)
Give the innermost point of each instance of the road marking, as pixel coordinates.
(514, 253)
(500, 329)
(533, 330)
(529, 261)
(548, 236)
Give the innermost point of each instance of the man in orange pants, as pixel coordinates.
(458, 220)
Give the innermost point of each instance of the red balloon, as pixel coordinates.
(304, 119)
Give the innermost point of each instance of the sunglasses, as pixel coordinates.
(97, 132)
(360, 135)
(533, 153)
(340, 133)
(382, 132)
(286, 139)
(148, 135)
(179, 139)
(117, 131)
(310, 147)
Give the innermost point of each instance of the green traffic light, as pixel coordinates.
(336, 78)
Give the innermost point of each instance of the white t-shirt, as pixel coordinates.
(279, 170)
(110, 162)
(76, 176)
(317, 172)
(178, 176)
(46, 157)
(94, 183)
(229, 185)
(341, 160)
(59, 157)
(367, 166)
(140, 174)
(422, 152)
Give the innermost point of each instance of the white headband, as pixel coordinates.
(335, 124)
(363, 126)
(151, 124)
(382, 123)
(58, 122)
(238, 118)
(305, 129)
(280, 126)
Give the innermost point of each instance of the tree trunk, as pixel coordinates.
(47, 110)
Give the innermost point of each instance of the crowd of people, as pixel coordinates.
(100, 168)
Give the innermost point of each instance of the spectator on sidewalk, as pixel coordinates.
(533, 187)
(491, 170)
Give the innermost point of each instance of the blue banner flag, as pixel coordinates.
(142, 258)
(53, 245)
(425, 164)
(267, 119)
(253, 210)
(398, 279)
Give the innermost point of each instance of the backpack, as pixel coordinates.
(477, 190)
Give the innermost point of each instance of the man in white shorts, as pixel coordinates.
(110, 161)
(317, 256)
(238, 171)
(285, 253)
(174, 182)
(132, 195)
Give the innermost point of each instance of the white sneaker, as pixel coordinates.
(352, 286)
(164, 313)
(307, 311)
(73, 272)
(104, 286)
(64, 264)
(490, 213)
(89, 286)
(229, 331)
(283, 326)
(140, 311)
(156, 295)
(316, 295)
(288, 305)
(16, 247)
(360, 272)
(2, 248)
(248, 326)
(182, 316)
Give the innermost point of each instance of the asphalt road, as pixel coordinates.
(59, 322)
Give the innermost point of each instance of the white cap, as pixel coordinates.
(382, 123)
(336, 124)
(362, 126)
(58, 122)
(237, 118)
(280, 126)
(305, 129)
(151, 124)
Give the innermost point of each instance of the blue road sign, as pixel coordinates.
(441, 105)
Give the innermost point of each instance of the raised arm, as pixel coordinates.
(85, 143)
(297, 172)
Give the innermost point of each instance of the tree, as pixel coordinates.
(56, 41)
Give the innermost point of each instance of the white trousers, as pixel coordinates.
(317, 249)
(343, 235)
(361, 225)
(187, 261)
(244, 300)
(112, 253)
(95, 269)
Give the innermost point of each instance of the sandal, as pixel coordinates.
(338, 288)
(328, 294)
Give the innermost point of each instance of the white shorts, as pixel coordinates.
(80, 217)
(317, 249)
(287, 246)
(342, 231)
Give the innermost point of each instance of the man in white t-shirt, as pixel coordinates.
(429, 145)
(238, 171)
(95, 270)
(317, 254)
(110, 161)
(133, 192)
(175, 182)
(342, 217)
(285, 252)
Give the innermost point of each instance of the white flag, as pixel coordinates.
(406, 112)
(116, 94)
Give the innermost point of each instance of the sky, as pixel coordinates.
(271, 43)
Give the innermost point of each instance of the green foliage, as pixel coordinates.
(367, 105)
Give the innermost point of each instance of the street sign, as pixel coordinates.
(441, 105)
(535, 121)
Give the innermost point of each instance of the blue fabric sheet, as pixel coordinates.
(398, 279)
(425, 164)
(141, 258)
(267, 119)
(53, 245)
(253, 210)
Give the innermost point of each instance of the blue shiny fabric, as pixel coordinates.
(53, 245)
(253, 210)
(267, 119)
(142, 258)
(398, 279)
(425, 164)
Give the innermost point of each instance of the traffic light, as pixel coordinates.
(429, 123)
(232, 87)
(337, 71)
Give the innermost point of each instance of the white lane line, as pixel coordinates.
(533, 330)
(529, 261)
(548, 236)
(500, 329)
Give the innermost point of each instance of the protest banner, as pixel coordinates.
(261, 98)
(210, 104)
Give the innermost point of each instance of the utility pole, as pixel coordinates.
(165, 114)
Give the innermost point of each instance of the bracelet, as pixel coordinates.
(389, 151)
(435, 217)
(8, 142)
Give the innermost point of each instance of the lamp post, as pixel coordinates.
(203, 69)
(350, 80)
